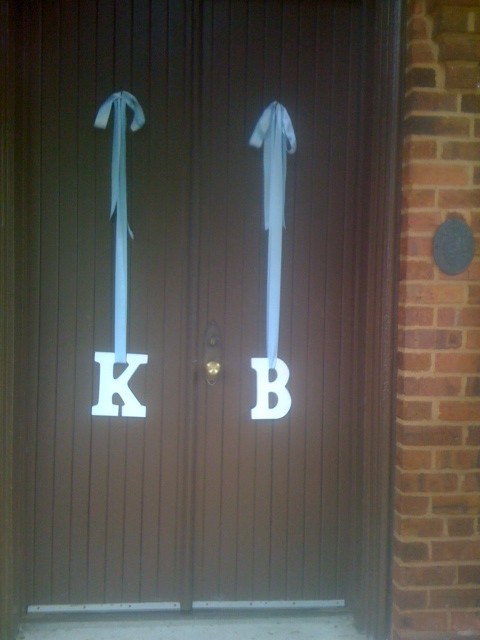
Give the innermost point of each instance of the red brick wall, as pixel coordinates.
(436, 574)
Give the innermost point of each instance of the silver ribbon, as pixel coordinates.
(120, 101)
(274, 130)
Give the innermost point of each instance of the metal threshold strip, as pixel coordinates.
(119, 607)
(267, 604)
(197, 605)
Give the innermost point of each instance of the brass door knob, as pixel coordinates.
(212, 353)
(212, 369)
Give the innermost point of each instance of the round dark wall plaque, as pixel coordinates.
(453, 246)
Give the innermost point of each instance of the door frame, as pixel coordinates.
(371, 594)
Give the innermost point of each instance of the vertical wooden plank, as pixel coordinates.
(30, 187)
(252, 267)
(176, 213)
(383, 26)
(67, 299)
(155, 309)
(333, 298)
(137, 299)
(214, 207)
(49, 248)
(235, 215)
(299, 27)
(258, 437)
(348, 459)
(102, 325)
(12, 482)
(273, 85)
(83, 529)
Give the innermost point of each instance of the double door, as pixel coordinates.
(196, 504)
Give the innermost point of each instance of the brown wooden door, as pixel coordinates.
(272, 502)
(196, 503)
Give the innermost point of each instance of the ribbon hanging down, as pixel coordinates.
(120, 101)
(275, 131)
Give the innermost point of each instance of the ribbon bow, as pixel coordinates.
(120, 101)
(274, 130)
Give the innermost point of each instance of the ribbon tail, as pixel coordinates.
(274, 284)
(118, 204)
(121, 292)
(273, 130)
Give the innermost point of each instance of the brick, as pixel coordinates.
(466, 622)
(411, 551)
(415, 316)
(459, 46)
(476, 129)
(460, 527)
(429, 339)
(469, 574)
(456, 550)
(476, 175)
(414, 361)
(416, 7)
(457, 459)
(448, 339)
(427, 482)
(431, 5)
(470, 482)
(461, 151)
(455, 19)
(437, 126)
(475, 222)
(431, 621)
(420, 52)
(429, 436)
(448, 317)
(459, 198)
(470, 317)
(426, 576)
(461, 504)
(432, 294)
(420, 149)
(473, 339)
(474, 294)
(420, 221)
(456, 598)
(459, 411)
(462, 75)
(457, 362)
(417, 28)
(418, 198)
(420, 77)
(430, 101)
(472, 387)
(414, 410)
(416, 270)
(409, 505)
(431, 386)
(471, 103)
(473, 271)
(473, 436)
(407, 599)
(416, 246)
(413, 458)
(420, 527)
(436, 174)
